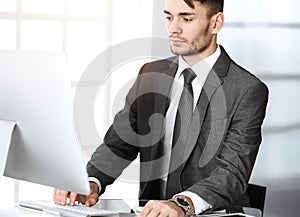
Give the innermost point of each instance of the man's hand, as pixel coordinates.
(161, 208)
(60, 196)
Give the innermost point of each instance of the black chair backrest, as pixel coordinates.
(257, 195)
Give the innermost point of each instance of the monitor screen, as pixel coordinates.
(36, 93)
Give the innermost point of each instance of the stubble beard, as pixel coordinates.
(182, 51)
(197, 46)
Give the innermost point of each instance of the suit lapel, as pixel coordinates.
(213, 82)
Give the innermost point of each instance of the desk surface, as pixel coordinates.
(122, 206)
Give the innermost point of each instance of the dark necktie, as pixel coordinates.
(181, 129)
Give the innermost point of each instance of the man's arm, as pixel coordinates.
(227, 183)
(120, 145)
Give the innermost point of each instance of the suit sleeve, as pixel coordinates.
(119, 147)
(227, 183)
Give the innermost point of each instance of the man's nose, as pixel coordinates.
(175, 27)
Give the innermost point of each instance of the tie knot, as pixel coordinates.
(188, 75)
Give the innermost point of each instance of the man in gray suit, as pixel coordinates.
(195, 119)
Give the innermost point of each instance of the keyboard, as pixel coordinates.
(76, 210)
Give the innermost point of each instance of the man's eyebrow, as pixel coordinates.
(181, 13)
(167, 12)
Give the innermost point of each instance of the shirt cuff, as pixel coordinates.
(200, 204)
(93, 179)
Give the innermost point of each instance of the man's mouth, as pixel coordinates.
(177, 40)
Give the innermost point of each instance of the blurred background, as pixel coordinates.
(262, 36)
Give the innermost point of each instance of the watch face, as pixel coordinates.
(182, 201)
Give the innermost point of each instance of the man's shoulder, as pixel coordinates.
(243, 79)
(167, 60)
(241, 73)
(237, 74)
(160, 64)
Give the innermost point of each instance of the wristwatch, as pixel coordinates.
(183, 204)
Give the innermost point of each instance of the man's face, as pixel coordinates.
(188, 28)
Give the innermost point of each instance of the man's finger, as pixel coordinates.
(60, 197)
(73, 198)
(147, 209)
(91, 201)
(156, 209)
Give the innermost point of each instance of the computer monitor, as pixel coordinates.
(6, 130)
(36, 93)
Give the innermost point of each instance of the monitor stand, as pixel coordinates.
(6, 131)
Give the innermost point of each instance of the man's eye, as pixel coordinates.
(187, 19)
(168, 18)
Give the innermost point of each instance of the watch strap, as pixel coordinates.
(183, 204)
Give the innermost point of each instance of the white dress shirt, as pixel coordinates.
(201, 69)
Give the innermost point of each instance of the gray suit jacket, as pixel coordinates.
(222, 145)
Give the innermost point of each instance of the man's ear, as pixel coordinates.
(217, 22)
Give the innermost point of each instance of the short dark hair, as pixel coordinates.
(213, 6)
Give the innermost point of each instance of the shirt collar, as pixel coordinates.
(203, 66)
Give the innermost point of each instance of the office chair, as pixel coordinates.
(257, 195)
